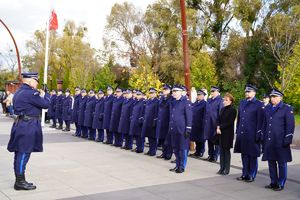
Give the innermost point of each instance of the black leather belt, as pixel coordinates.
(27, 118)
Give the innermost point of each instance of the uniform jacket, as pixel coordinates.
(108, 102)
(180, 123)
(76, 108)
(59, 106)
(163, 117)
(278, 130)
(89, 111)
(150, 118)
(126, 112)
(116, 113)
(51, 109)
(199, 109)
(26, 135)
(81, 110)
(98, 114)
(136, 118)
(67, 108)
(212, 114)
(249, 127)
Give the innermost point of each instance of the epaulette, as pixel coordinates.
(36, 93)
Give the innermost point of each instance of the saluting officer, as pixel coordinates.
(197, 134)
(115, 117)
(150, 119)
(58, 108)
(124, 124)
(26, 133)
(279, 126)
(51, 109)
(89, 114)
(67, 109)
(75, 111)
(82, 105)
(180, 127)
(136, 121)
(98, 116)
(163, 118)
(214, 106)
(108, 102)
(249, 133)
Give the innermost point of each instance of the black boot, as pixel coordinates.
(59, 127)
(21, 184)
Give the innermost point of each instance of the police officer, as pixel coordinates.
(279, 126)
(249, 133)
(180, 127)
(51, 109)
(108, 102)
(124, 124)
(89, 114)
(197, 134)
(58, 108)
(136, 121)
(26, 133)
(163, 117)
(214, 106)
(67, 109)
(266, 100)
(81, 116)
(150, 120)
(98, 116)
(115, 117)
(75, 111)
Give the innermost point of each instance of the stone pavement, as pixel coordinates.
(73, 168)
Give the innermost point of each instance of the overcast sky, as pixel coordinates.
(23, 17)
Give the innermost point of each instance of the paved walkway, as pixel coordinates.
(73, 168)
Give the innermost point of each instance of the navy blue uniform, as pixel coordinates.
(249, 135)
(180, 127)
(124, 124)
(136, 124)
(108, 102)
(98, 119)
(213, 108)
(149, 124)
(89, 115)
(67, 111)
(115, 119)
(26, 133)
(278, 129)
(197, 134)
(51, 110)
(75, 113)
(162, 127)
(82, 105)
(59, 109)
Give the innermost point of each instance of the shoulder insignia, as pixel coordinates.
(36, 93)
(292, 112)
(263, 107)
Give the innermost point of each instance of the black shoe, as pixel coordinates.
(148, 153)
(160, 156)
(59, 127)
(179, 171)
(21, 184)
(123, 147)
(165, 158)
(242, 178)
(270, 186)
(220, 172)
(278, 187)
(134, 150)
(138, 151)
(224, 173)
(152, 154)
(53, 126)
(64, 129)
(98, 140)
(128, 148)
(211, 159)
(173, 169)
(90, 138)
(208, 158)
(249, 179)
(173, 161)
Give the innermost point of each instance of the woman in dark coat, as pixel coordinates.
(225, 130)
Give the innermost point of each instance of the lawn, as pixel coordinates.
(297, 118)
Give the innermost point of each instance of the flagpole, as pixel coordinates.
(46, 67)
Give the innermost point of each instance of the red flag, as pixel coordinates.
(53, 24)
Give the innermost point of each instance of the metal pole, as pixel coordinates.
(17, 50)
(185, 48)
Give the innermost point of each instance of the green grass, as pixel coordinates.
(297, 118)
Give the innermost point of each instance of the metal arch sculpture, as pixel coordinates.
(16, 47)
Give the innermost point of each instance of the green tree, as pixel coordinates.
(105, 77)
(203, 72)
